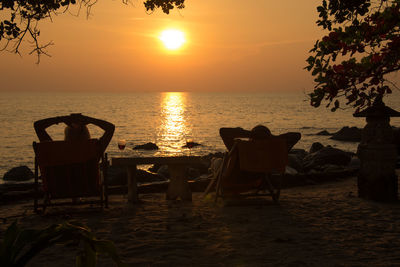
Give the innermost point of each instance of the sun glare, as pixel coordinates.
(172, 39)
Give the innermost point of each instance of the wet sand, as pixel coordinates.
(319, 225)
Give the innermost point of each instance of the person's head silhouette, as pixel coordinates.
(260, 132)
(76, 131)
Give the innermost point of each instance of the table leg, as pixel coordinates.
(132, 185)
(178, 185)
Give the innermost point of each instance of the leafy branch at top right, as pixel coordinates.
(352, 61)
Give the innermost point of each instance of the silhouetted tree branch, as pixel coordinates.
(19, 19)
(365, 36)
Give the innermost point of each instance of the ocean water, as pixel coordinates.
(168, 119)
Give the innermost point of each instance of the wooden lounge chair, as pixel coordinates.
(252, 168)
(70, 170)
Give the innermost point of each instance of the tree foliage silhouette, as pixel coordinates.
(364, 36)
(19, 19)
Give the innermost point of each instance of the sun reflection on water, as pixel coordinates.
(173, 128)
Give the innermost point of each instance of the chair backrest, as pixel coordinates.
(263, 155)
(69, 168)
(53, 153)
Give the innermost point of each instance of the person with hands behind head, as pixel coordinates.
(259, 132)
(76, 128)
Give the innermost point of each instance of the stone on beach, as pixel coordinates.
(324, 132)
(193, 144)
(118, 176)
(315, 147)
(324, 156)
(19, 174)
(147, 146)
(351, 134)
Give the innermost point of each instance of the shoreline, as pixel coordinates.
(313, 225)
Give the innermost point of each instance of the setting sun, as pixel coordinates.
(172, 39)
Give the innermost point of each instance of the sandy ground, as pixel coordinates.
(321, 225)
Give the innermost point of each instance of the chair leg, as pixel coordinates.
(105, 180)
(219, 178)
(275, 195)
(36, 184)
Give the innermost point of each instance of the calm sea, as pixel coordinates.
(168, 119)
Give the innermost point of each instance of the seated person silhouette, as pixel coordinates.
(236, 179)
(259, 132)
(76, 130)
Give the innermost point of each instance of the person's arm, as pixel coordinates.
(291, 139)
(41, 126)
(108, 128)
(228, 135)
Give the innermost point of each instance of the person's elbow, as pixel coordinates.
(111, 128)
(36, 125)
(223, 131)
(297, 136)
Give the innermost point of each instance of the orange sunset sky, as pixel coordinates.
(258, 45)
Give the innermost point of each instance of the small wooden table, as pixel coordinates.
(178, 186)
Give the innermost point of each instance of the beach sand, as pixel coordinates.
(319, 225)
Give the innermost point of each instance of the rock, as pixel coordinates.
(301, 153)
(163, 170)
(295, 162)
(193, 144)
(192, 173)
(291, 171)
(315, 147)
(214, 155)
(201, 167)
(116, 176)
(332, 168)
(324, 132)
(324, 156)
(154, 168)
(143, 176)
(19, 174)
(147, 146)
(352, 134)
(355, 163)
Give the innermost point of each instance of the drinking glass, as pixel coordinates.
(190, 144)
(121, 144)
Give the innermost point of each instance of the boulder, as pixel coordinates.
(163, 171)
(324, 156)
(290, 170)
(19, 174)
(116, 176)
(295, 162)
(143, 176)
(193, 144)
(214, 155)
(332, 168)
(147, 146)
(154, 168)
(355, 163)
(324, 132)
(352, 134)
(192, 173)
(201, 167)
(301, 153)
(315, 147)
